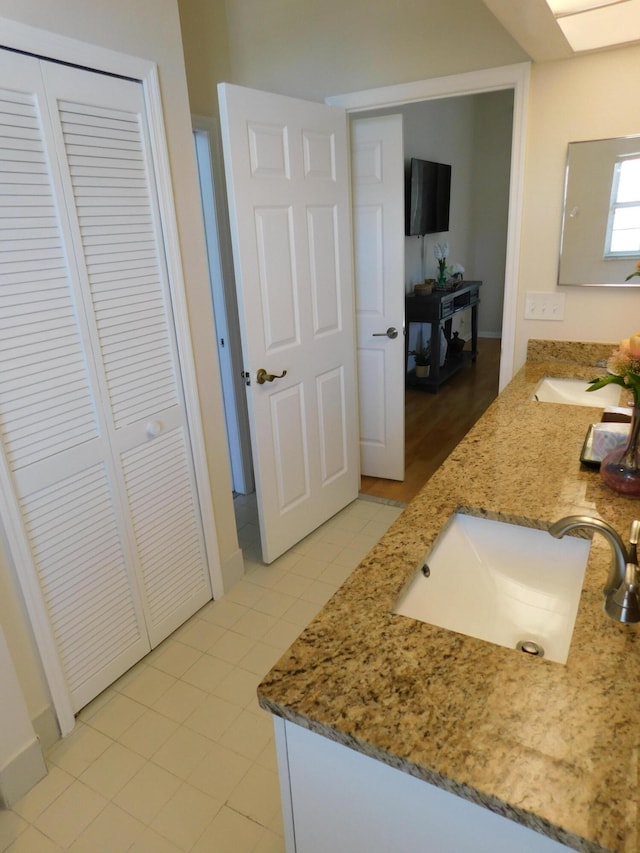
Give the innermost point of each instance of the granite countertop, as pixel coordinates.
(551, 746)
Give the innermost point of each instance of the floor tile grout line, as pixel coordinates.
(354, 524)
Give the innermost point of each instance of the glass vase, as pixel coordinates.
(620, 468)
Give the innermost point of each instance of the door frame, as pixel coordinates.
(515, 77)
(47, 45)
(225, 303)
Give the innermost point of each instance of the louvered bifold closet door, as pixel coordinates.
(59, 482)
(116, 228)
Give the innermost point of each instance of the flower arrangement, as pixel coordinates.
(635, 272)
(623, 366)
(441, 252)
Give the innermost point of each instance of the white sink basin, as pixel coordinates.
(574, 392)
(499, 582)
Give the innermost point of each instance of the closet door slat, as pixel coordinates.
(37, 308)
(53, 435)
(108, 172)
(78, 573)
(112, 140)
(97, 469)
(161, 500)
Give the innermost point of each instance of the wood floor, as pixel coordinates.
(435, 423)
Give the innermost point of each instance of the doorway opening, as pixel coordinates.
(513, 78)
(436, 423)
(473, 135)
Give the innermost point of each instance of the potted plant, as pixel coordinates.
(423, 361)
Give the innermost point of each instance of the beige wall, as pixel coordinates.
(492, 132)
(204, 32)
(149, 29)
(317, 48)
(20, 642)
(590, 97)
(473, 134)
(442, 130)
(324, 47)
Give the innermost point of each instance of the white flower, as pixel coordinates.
(441, 251)
(456, 269)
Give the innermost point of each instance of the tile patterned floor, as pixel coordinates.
(177, 755)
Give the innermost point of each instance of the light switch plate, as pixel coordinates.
(544, 306)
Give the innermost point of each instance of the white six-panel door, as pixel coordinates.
(287, 175)
(377, 175)
(96, 464)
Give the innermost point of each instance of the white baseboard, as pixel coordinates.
(489, 334)
(46, 727)
(21, 773)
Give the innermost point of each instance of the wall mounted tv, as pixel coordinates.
(427, 197)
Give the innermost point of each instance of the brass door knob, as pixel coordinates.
(262, 376)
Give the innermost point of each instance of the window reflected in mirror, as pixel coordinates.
(623, 227)
(601, 219)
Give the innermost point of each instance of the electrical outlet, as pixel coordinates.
(544, 306)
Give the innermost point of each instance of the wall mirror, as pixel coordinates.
(601, 219)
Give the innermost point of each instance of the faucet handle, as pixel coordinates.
(623, 604)
(634, 537)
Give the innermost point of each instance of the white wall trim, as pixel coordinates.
(226, 304)
(45, 725)
(20, 774)
(233, 569)
(155, 118)
(282, 755)
(21, 761)
(49, 45)
(514, 77)
(469, 83)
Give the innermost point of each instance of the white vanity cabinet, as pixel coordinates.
(338, 800)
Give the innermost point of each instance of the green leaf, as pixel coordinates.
(610, 379)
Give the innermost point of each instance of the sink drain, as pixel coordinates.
(530, 648)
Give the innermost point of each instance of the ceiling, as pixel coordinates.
(543, 36)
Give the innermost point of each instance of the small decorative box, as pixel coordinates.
(606, 437)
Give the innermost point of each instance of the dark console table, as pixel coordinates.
(439, 308)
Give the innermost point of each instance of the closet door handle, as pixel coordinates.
(153, 429)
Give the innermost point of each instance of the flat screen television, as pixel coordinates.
(427, 197)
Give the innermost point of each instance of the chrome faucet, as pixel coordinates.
(622, 590)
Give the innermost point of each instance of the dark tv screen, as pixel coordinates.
(427, 197)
